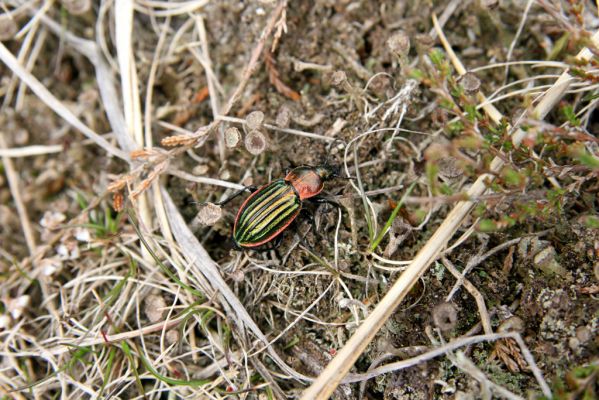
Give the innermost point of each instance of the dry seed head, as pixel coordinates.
(77, 7)
(254, 120)
(470, 83)
(140, 153)
(209, 214)
(255, 142)
(445, 316)
(232, 137)
(237, 276)
(118, 200)
(399, 43)
(142, 187)
(283, 117)
(8, 27)
(117, 185)
(177, 140)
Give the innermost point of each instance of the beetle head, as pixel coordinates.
(327, 171)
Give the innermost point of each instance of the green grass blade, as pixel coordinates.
(363, 197)
(383, 231)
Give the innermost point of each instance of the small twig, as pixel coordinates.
(67, 345)
(299, 66)
(462, 362)
(517, 36)
(275, 80)
(253, 62)
(204, 180)
(16, 190)
(277, 129)
(478, 297)
(443, 350)
(28, 151)
(476, 260)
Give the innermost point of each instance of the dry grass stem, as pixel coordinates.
(16, 190)
(480, 301)
(278, 129)
(40, 90)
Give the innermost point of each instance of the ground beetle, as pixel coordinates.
(271, 208)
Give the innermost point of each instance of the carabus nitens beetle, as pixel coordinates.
(271, 208)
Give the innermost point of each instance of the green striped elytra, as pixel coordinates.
(271, 209)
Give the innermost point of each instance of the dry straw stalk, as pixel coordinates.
(332, 375)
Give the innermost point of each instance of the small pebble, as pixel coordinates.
(547, 262)
(209, 214)
(172, 336)
(225, 175)
(573, 343)
(232, 137)
(199, 170)
(154, 307)
(4, 322)
(583, 334)
(512, 324)
(8, 27)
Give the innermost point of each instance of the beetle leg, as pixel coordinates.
(310, 215)
(277, 242)
(250, 189)
(324, 200)
(271, 246)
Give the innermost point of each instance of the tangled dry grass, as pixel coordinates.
(462, 263)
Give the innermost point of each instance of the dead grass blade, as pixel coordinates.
(56, 105)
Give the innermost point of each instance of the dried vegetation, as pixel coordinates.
(472, 140)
